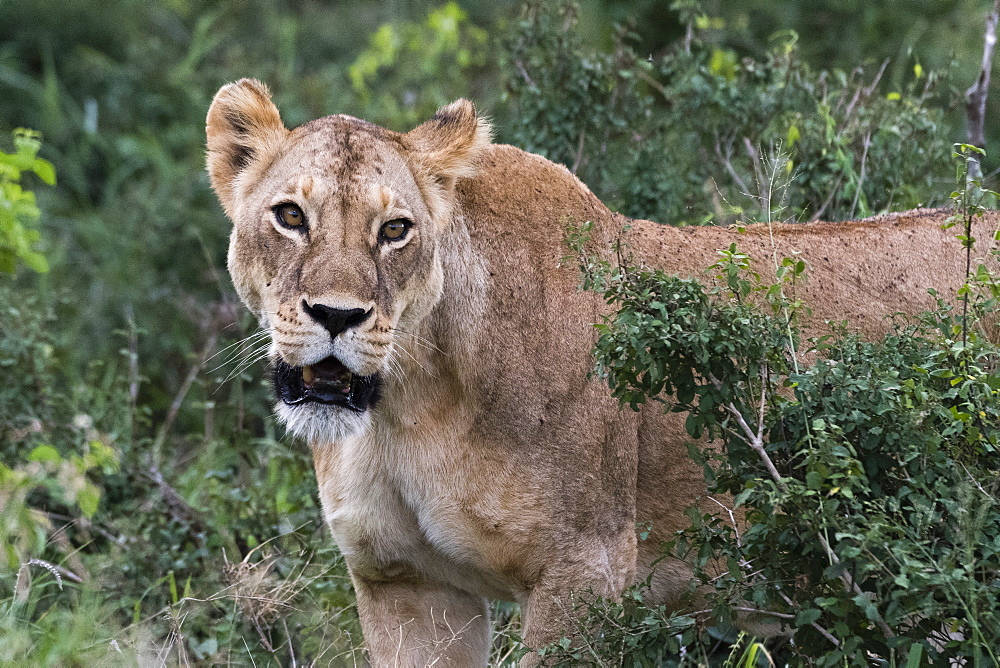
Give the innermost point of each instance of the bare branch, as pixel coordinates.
(754, 439)
(728, 164)
(178, 508)
(975, 96)
(763, 402)
(175, 406)
(861, 178)
(823, 632)
(758, 167)
(878, 77)
(524, 74)
(579, 151)
(732, 517)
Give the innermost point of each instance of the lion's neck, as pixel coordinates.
(439, 350)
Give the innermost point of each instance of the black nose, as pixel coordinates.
(336, 320)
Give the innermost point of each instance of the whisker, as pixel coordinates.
(253, 335)
(248, 351)
(247, 362)
(258, 352)
(239, 371)
(394, 367)
(243, 366)
(248, 341)
(415, 361)
(426, 343)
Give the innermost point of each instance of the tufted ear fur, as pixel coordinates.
(243, 129)
(447, 146)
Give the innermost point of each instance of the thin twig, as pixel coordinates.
(850, 583)
(579, 151)
(829, 198)
(771, 613)
(87, 524)
(175, 406)
(861, 178)
(180, 510)
(758, 168)
(291, 648)
(755, 439)
(657, 86)
(524, 74)
(133, 357)
(727, 163)
(823, 632)
(878, 76)
(732, 517)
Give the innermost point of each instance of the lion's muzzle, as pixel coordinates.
(327, 381)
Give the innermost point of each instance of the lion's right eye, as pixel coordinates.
(395, 229)
(289, 215)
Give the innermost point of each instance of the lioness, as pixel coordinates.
(434, 352)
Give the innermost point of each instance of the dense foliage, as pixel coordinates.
(149, 506)
(701, 135)
(869, 487)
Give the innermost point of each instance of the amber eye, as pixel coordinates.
(395, 230)
(289, 215)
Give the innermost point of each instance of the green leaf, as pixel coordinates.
(35, 261)
(44, 453)
(88, 499)
(915, 657)
(45, 170)
(805, 617)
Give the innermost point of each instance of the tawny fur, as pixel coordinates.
(494, 466)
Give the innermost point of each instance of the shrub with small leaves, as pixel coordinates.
(698, 134)
(17, 204)
(870, 483)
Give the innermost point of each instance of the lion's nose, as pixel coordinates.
(336, 320)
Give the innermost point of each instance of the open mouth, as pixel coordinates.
(325, 382)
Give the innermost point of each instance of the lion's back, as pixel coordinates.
(526, 194)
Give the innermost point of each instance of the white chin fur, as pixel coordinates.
(320, 424)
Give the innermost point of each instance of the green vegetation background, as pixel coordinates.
(149, 503)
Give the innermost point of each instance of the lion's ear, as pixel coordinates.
(243, 128)
(448, 145)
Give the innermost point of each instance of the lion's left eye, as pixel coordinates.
(394, 230)
(289, 215)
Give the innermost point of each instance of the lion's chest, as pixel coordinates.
(396, 512)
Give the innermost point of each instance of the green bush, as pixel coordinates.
(700, 135)
(870, 487)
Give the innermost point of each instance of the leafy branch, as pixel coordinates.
(17, 204)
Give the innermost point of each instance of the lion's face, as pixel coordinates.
(335, 242)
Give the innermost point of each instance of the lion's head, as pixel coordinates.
(335, 241)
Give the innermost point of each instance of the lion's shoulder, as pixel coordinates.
(522, 187)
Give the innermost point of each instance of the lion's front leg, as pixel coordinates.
(556, 608)
(422, 624)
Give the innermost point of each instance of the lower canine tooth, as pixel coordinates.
(308, 375)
